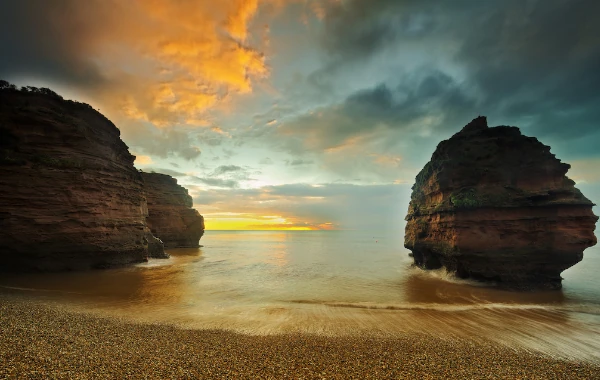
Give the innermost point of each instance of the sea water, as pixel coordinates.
(330, 283)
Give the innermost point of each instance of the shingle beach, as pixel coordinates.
(39, 341)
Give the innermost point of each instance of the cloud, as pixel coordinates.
(391, 79)
(211, 180)
(190, 152)
(380, 134)
(224, 176)
(387, 160)
(216, 182)
(223, 169)
(228, 153)
(325, 206)
(529, 63)
(37, 39)
(358, 29)
(298, 162)
(401, 75)
(427, 100)
(164, 62)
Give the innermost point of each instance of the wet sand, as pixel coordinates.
(40, 340)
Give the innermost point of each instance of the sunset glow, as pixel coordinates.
(233, 221)
(318, 112)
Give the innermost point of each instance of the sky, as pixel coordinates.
(308, 114)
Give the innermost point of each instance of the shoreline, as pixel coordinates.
(38, 340)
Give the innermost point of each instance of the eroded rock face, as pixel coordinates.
(170, 214)
(70, 197)
(495, 205)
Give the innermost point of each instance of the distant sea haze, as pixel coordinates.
(330, 283)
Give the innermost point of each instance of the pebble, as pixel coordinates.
(40, 341)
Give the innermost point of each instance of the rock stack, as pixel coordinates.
(495, 205)
(170, 213)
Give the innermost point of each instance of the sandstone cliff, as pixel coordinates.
(70, 197)
(170, 214)
(495, 205)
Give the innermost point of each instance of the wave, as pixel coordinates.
(447, 276)
(588, 309)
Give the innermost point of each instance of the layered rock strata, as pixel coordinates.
(495, 205)
(170, 214)
(70, 197)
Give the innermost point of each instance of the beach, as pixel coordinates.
(293, 305)
(44, 340)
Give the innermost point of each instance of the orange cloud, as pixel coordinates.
(236, 23)
(168, 62)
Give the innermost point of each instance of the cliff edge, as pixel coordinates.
(495, 205)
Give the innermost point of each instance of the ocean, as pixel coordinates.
(328, 283)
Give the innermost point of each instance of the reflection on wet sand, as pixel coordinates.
(157, 282)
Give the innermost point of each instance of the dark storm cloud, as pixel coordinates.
(546, 65)
(41, 38)
(535, 64)
(359, 28)
(414, 98)
(383, 109)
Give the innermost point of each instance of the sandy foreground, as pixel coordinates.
(39, 341)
